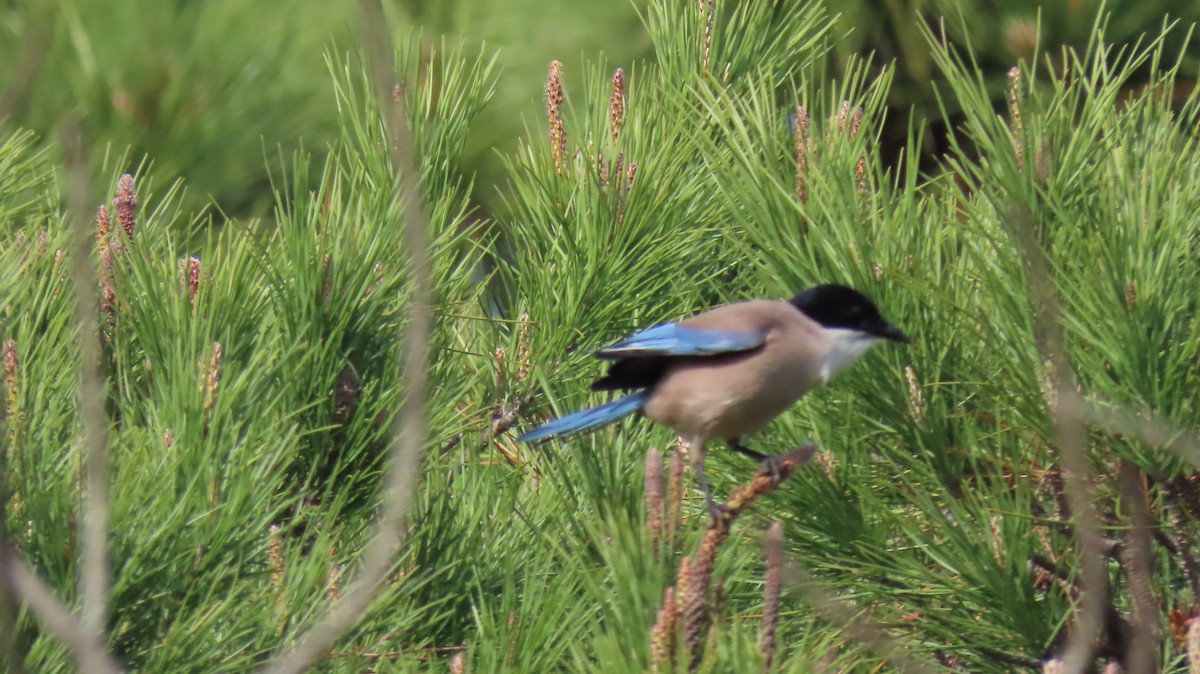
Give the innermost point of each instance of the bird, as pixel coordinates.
(725, 373)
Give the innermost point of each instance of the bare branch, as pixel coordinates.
(94, 577)
(1156, 433)
(1182, 549)
(773, 550)
(409, 427)
(87, 647)
(1066, 408)
(9, 605)
(1138, 562)
(848, 615)
(694, 583)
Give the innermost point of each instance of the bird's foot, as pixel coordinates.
(773, 466)
(718, 511)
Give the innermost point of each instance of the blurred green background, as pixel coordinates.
(211, 91)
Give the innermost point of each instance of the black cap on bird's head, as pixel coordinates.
(838, 306)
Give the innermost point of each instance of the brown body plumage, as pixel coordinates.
(736, 394)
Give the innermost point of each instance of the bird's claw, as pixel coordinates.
(718, 511)
(773, 466)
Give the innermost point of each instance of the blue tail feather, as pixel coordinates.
(590, 418)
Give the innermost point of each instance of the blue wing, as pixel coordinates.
(672, 339)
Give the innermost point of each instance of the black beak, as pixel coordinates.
(888, 331)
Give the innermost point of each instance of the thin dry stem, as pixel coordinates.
(408, 430)
(10, 606)
(85, 645)
(1081, 644)
(1137, 560)
(699, 577)
(773, 548)
(1067, 411)
(94, 573)
(841, 612)
(1192, 638)
(1159, 434)
(1179, 525)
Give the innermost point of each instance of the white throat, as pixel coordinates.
(845, 347)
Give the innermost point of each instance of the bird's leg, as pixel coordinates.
(736, 445)
(772, 463)
(715, 510)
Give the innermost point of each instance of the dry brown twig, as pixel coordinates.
(9, 604)
(1184, 443)
(1067, 410)
(83, 636)
(1067, 414)
(94, 573)
(94, 577)
(85, 645)
(695, 578)
(1137, 561)
(773, 548)
(844, 613)
(408, 431)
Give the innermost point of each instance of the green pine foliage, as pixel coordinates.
(252, 371)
